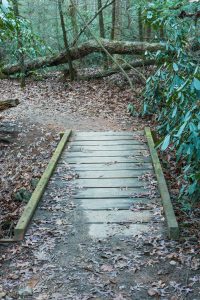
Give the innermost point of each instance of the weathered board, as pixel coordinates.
(103, 160)
(105, 143)
(112, 203)
(106, 166)
(110, 174)
(118, 216)
(110, 183)
(106, 148)
(78, 134)
(125, 153)
(100, 193)
(120, 230)
(102, 138)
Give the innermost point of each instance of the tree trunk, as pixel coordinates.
(116, 20)
(112, 35)
(162, 33)
(140, 25)
(101, 20)
(73, 16)
(102, 30)
(6, 104)
(113, 47)
(19, 42)
(65, 38)
(148, 32)
(128, 6)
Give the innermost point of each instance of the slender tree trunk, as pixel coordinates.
(57, 27)
(73, 16)
(101, 21)
(116, 20)
(112, 36)
(148, 32)
(65, 38)
(19, 43)
(140, 25)
(116, 23)
(102, 30)
(128, 6)
(162, 33)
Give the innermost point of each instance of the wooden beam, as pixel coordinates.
(173, 229)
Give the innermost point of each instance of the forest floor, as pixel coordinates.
(165, 269)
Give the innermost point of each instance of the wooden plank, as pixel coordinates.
(112, 174)
(125, 153)
(117, 230)
(101, 193)
(114, 203)
(101, 138)
(120, 216)
(107, 133)
(30, 208)
(106, 167)
(107, 148)
(107, 160)
(109, 183)
(106, 143)
(173, 229)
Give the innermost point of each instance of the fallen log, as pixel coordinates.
(6, 104)
(113, 47)
(109, 72)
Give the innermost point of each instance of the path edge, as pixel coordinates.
(172, 224)
(30, 208)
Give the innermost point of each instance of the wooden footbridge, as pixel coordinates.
(115, 178)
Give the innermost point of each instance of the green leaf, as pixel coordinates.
(165, 143)
(179, 133)
(175, 67)
(192, 188)
(174, 112)
(196, 84)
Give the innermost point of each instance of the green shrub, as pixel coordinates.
(173, 92)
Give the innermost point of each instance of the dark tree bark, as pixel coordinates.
(65, 38)
(19, 43)
(116, 20)
(140, 25)
(113, 47)
(148, 32)
(102, 30)
(128, 6)
(101, 20)
(73, 16)
(112, 36)
(162, 33)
